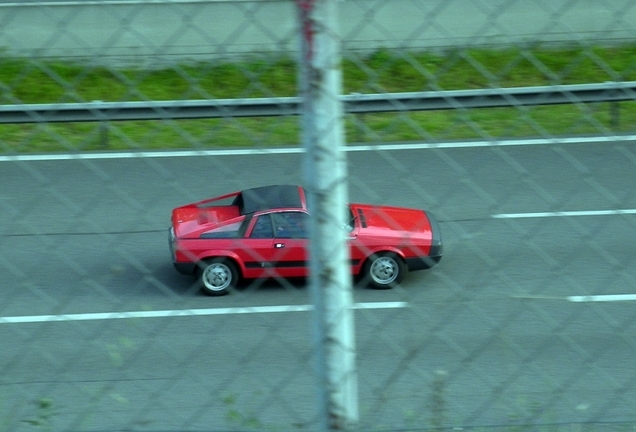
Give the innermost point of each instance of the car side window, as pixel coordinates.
(291, 224)
(263, 227)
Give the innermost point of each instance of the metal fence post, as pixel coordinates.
(326, 181)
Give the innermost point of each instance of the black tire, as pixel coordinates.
(217, 276)
(383, 270)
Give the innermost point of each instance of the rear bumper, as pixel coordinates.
(182, 267)
(185, 267)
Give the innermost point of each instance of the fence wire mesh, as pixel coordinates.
(527, 323)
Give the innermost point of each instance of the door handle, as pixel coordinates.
(279, 245)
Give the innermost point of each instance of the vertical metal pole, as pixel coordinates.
(326, 184)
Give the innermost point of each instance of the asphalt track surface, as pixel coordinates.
(529, 316)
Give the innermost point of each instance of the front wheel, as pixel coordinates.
(217, 276)
(384, 271)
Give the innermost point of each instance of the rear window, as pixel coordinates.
(225, 231)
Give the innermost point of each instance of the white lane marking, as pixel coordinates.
(297, 150)
(93, 2)
(143, 155)
(564, 214)
(380, 305)
(183, 313)
(582, 299)
(602, 298)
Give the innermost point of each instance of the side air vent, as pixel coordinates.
(363, 220)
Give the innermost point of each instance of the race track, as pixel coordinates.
(504, 327)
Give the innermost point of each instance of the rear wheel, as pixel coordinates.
(384, 271)
(217, 276)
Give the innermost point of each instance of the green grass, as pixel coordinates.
(41, 81)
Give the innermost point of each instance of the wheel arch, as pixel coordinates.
(210, 255)
(380, 251)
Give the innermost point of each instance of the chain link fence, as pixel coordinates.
(527, 323)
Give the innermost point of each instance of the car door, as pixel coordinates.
(256, 253)
(276, 245)
(358, 250)
(291, 241)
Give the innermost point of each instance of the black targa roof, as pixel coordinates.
(269, 197)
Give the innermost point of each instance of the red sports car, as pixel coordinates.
(263, 233)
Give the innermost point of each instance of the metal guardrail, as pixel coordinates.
(98, 111)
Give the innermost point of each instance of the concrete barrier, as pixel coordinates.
(159, 31)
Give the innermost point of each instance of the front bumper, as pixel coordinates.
(436, 251)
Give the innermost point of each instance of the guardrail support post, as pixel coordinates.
(103, 134)
(615, 115)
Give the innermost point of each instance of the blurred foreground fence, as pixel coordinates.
(527, 324)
